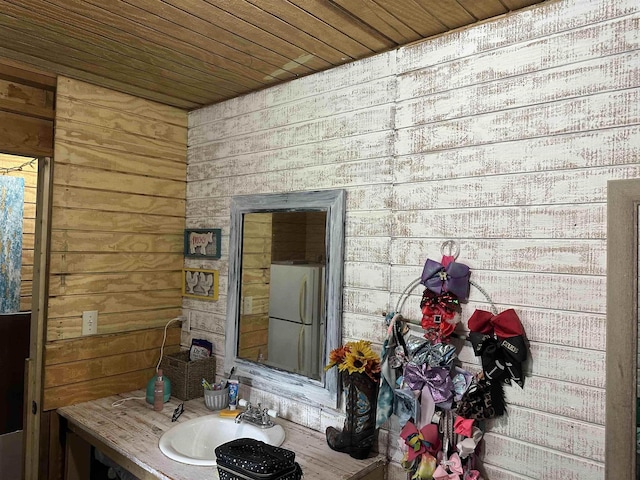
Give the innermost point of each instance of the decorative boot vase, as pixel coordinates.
(358, 435)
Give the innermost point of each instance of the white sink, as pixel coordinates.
(195, 440)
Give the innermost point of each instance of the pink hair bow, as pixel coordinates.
(454, 465)
(463, 426)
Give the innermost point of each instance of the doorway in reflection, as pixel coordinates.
(282, 319)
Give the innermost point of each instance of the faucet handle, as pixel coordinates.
(244, 403)
(271, 412)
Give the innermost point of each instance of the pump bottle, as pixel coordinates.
(158, 392)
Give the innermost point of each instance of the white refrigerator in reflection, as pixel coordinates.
(296, 318)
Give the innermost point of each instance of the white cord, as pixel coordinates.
(119, 403)
(164, 339)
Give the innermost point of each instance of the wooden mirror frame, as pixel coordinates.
(623, 198)
(323, 392)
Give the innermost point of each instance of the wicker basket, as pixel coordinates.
(186, 376)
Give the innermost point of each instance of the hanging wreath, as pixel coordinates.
(439, 405)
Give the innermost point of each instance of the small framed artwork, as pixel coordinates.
(202, 243)
(200, 284)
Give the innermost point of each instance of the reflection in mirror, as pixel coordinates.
(282, 294)
(284, 301)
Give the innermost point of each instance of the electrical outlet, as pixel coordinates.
(90, 322)
(247, 305)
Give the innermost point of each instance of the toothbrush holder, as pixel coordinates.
(216, 399)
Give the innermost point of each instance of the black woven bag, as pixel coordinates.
(249, 459)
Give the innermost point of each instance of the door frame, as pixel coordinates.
(623, 198)
(39, 303)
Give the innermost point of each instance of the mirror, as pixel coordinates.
(284, 304)
(623, 198)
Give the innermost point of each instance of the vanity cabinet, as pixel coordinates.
(129, 435)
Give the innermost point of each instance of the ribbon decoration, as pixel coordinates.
(482, 400)
(461, 382)
(453, 278)
(438, 355)
(454, 465)
(436, 386)
(467, 446)
(423, 441)
(463, 426)
(439, 311)
(388, 371)
(499, 341)
(426, 467)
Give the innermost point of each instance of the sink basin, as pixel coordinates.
(195, 440)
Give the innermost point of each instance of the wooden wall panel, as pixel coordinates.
(117, 227)
(502, 136)
(26, 111)
(256, 272)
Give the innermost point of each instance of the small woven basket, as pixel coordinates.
(186, 376)
(216, 399)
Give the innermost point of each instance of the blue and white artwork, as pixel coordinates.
(11, 211)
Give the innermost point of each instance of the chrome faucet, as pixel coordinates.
(257, 415)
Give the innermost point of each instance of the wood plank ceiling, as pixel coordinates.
(190, 53)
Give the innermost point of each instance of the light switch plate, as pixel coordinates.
(90, 322)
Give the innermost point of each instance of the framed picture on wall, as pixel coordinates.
(202, 243)
(200, 284)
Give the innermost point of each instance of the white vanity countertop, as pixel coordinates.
(133, 430)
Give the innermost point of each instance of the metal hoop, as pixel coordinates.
(452, 246)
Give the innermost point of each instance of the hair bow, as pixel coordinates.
(439, 312)
(499, 340)
(438, 355)
(453, 278)
(463, 426)
(426, 467)
(468, 445)
(435, 385)
(482, 400)
(454, 465)
(425, 440)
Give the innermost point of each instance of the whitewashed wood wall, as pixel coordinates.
(501, 136)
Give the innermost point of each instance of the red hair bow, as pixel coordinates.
(499, 340)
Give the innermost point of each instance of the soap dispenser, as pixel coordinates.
(158, 392)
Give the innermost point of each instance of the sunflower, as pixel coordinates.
(353, 364)
(362, 349)
(337, 356)
(356, 357)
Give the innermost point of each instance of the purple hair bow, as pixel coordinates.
(453, 278)
(436, 386)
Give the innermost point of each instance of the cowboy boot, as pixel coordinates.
(358, 434)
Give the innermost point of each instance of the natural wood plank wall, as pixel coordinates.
(501, 136)
(299, 236)
(116, 243)
(256, 277)
(26, 111)
(30, 175)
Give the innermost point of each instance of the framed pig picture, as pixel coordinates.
(202, 243)
(200, 284)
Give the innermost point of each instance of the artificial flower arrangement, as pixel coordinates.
(356, 357)
(359, 366)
